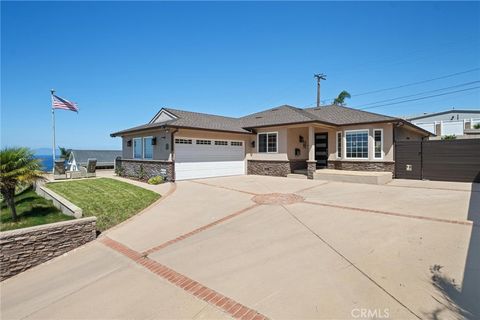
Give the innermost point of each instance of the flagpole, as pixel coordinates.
(53, 127)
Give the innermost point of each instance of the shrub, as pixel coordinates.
(120, 171)
(449, 137)
(476, 126)
(141, 173)
(156, 180)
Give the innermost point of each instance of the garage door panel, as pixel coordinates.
(193, 161)
(195, 170)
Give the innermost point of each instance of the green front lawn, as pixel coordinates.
(32, 210)
(111, 201)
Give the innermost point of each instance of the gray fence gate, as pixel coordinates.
(442, 160)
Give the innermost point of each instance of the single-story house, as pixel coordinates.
(182, 145)
(105, 158)
(458, 122)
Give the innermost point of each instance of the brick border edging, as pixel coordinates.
(198, 230)
(210, 296)
(396, 214)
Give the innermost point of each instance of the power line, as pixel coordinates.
(418, 82)
(420, 93)
(407, 84)
(422, 98)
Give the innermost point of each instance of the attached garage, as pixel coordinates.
(205, 158)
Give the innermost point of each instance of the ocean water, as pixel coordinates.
(47, 162)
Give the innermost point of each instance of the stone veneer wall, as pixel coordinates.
(298, 164)
(151, 168)
(25, 248)
(362, 166)
(311, 168)
(268, 168)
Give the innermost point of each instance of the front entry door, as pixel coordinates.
(321, 149)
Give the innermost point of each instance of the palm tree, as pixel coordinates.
(17, 166)
(64, 153)
(340, 100)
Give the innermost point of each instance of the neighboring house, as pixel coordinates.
(186, 145)
(105, 158)
(450, 122)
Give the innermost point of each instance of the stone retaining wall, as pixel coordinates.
(25, 248)
(59, 202)
(362, 166)
(268, 168)
(151, 168)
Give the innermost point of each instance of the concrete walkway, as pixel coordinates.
(252, 247)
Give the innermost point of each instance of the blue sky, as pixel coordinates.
(122, 61)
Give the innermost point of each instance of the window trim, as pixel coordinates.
(345, 143)
(143, 147)
(341, 144)
(267, 133)
(382, 154)
(133, 147)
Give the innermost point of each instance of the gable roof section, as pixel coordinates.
(193, 120)
(278, 116)
(346, 116)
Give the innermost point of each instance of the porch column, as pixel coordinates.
(311, 163)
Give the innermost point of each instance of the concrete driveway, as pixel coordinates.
(255, 247)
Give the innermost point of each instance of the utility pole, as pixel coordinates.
(319, 76)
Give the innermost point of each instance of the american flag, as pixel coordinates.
(60, 103)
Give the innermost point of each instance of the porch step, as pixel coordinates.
(297, 176)
(368, 177)
(300, 171)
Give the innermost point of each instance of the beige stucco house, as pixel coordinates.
(187, 145)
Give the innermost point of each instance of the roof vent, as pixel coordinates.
(274, 109)
(258, 117)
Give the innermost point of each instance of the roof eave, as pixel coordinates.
(125, 132)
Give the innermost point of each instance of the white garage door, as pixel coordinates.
(204, 158)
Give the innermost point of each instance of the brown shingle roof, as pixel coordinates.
(342, 115)
(332, 115)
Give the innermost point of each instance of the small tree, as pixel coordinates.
(17, 166)
(340, 99)
(449, 137)
(64, 153)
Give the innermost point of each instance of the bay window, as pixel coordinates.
(339, 144)
(378, 143)
(356, 144)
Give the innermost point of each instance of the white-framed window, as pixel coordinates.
(339, 144)
(221, 143)
(267, 142)
(236, 143)
(183, 141)
(203, 142)
(356, 144)
(378, 143)
(137, 148)
(147, 148)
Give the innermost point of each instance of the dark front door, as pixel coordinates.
(321, 149)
